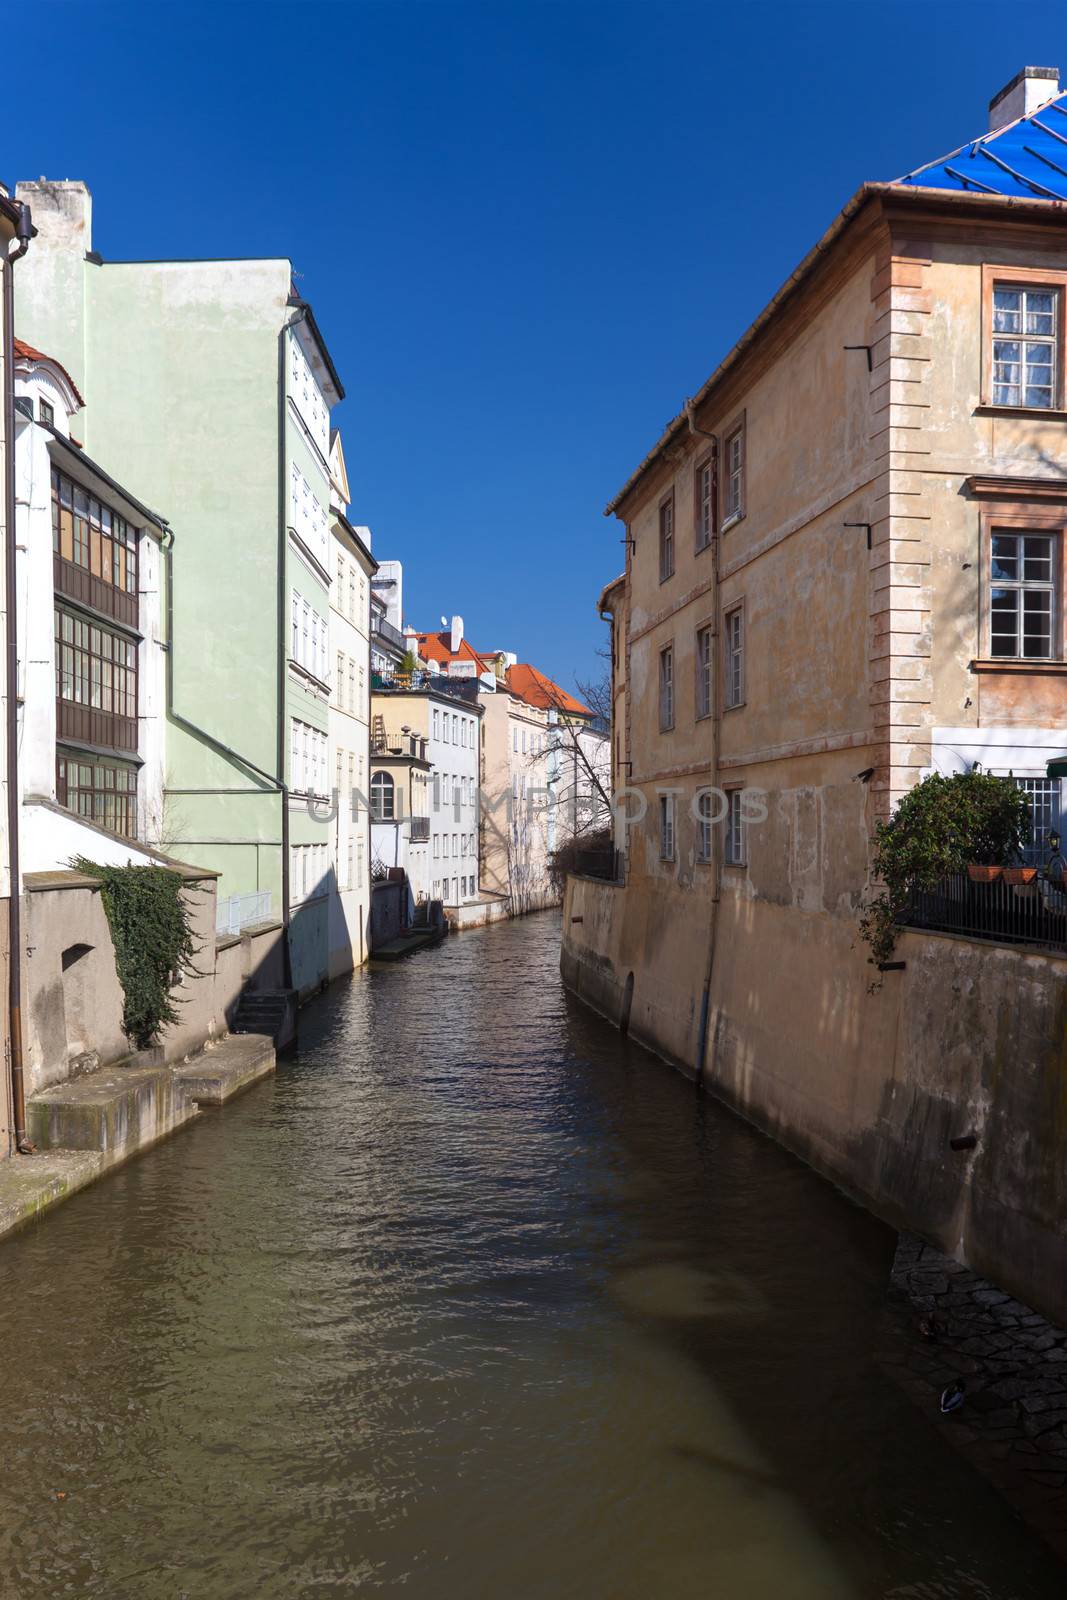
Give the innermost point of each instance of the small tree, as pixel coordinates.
(938, 828)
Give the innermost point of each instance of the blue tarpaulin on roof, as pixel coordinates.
(1027, 159)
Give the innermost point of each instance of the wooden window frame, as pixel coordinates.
(667, 648)
(730, 519)
(736, 607)
(667, 540)
(708, 462)
(705, 625)
(119, 542)
(46, 412)
(1025, 278)
(1019, 518)
(120, 816)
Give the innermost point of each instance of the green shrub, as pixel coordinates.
(149, 923)
(938, 828)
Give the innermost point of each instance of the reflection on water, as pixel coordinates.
(478, 1299)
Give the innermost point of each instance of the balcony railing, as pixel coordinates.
(239, 911)
(420, 830)
(1005, 911)
(386, 631)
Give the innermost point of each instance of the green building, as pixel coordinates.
(210, 387)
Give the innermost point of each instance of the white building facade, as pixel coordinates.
(91, 640)
(353, 567)
(454, 752)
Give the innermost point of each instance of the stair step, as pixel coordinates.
(112, 1111)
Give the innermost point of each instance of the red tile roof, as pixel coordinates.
(537, 690)
(28, 353)
(438, 647)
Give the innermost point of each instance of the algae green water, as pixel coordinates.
(474, 1300)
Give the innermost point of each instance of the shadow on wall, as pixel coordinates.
(74, 1000)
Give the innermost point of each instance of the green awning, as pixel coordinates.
(1057, 767)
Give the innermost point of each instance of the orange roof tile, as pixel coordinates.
(438, 647)
(537, 690)
(28, 353)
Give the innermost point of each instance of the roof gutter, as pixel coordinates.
(25, 232)
(926, 197)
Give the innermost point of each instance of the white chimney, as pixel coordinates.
(1029, 89)
(456, 638)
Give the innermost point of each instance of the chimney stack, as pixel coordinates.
(456, 638)
(1029, 89)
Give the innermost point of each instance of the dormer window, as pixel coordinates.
(46, 413)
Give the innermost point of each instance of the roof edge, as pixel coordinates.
(897, 190)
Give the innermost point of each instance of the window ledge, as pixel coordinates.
(986, 408)
(1009, 664)
(738, 516)
(740, 706)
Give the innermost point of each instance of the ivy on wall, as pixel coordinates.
(149, 922)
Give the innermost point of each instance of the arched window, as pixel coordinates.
(382, 797)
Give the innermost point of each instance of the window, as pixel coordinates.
(1025, 340)
(436, 846)
(735, 657)
(444, 845)
(1021, 574)
(703, 668)
(95, 668)
(704, 494)
(436, 723)
(47, 414)
(1045, 814)
(666, 688)
(89, 534)
(734, 486)
(705, 822)
(666, 539)
(103, 791)
(310, 639)
(308, 772)
(666, 827)
(340, 678)
(735, 830)
(382, 797)
(351, 685)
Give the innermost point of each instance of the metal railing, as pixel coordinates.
(239, 911)
(420, 830)
(1021, 906)
(386, 631)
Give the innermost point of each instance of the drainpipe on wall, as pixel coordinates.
(716, 719)
(14, 959)
(276, 783)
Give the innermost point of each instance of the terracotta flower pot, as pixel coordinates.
(1020, 874)
(979, 874)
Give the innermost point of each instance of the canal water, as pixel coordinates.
(479, 1301)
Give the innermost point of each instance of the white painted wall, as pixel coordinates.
(50, 837)
(454, 754)
(349, 740)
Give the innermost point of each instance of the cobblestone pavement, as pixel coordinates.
(948, 1324)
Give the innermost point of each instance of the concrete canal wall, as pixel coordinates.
(968, 1041)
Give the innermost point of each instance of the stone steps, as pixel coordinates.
(113, 1113)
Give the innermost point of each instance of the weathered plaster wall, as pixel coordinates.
(870, 1087)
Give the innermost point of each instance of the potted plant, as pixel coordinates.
(942, 828)
(1019, 874)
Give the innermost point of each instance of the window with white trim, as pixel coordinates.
(734, 478)
(666, 688)
(1022, 576)
(734, 628)
(705, 503)
(735, 829)
(666, 827)
(1025, 345)
(703, 668)
(705, 822)
(309, 755)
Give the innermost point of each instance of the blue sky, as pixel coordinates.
(528, 230)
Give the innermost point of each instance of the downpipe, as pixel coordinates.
(716, 718)
(14, 960)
